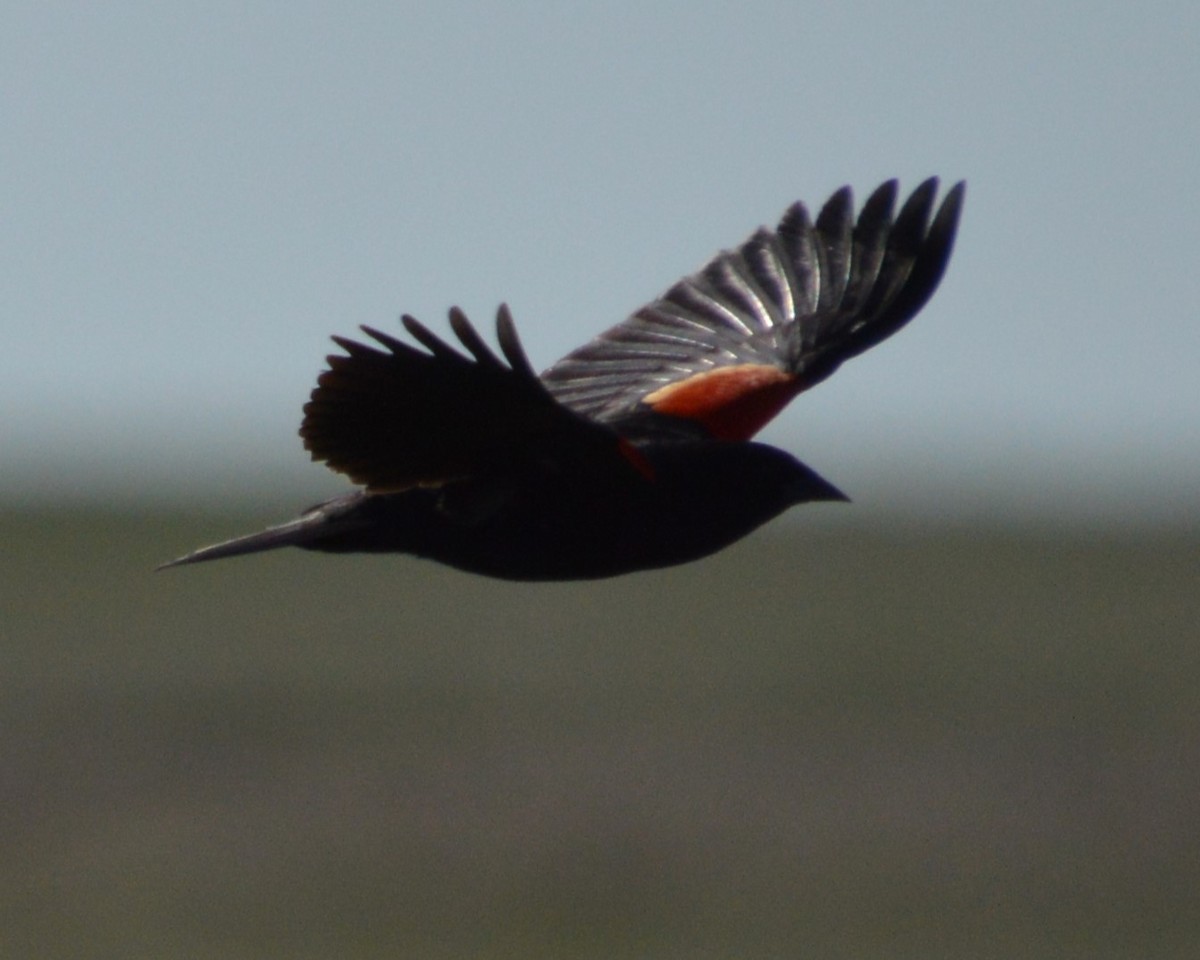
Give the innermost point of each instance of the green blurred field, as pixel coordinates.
(840, 744)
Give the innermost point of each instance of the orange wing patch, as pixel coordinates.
(733, 403)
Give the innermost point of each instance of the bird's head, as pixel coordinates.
(734, 486)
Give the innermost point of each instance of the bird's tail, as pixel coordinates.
(314, 524)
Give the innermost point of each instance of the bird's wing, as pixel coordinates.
(395, 416)
(724, 350)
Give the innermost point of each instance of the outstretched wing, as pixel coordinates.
(724, 350)
(400, 416)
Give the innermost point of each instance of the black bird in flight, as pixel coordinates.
(632, 452)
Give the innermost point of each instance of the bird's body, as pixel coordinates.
(529, 525)
(633, 451)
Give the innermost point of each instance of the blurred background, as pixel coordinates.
(957, 718)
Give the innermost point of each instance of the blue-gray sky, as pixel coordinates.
(193, 196)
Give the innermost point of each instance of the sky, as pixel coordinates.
(193, 197)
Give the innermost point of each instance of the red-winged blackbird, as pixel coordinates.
(633, 451)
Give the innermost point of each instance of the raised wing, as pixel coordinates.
(399, 416)
(725, 349)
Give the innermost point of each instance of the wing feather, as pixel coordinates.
(396, 416)
(801, 299)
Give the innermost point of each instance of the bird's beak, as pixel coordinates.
(827, 491)
(814, 487)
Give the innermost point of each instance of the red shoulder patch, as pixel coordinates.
(637, 459)
(733, 403)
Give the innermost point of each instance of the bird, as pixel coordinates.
(634, 451)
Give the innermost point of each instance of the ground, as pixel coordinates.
(844, 742)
